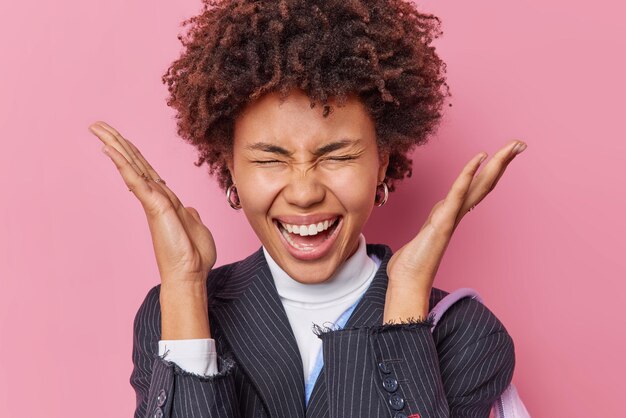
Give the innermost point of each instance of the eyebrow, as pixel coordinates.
(324, 149)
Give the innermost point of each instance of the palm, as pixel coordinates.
(420, 257)
(183, 245)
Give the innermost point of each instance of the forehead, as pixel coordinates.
(293, 124)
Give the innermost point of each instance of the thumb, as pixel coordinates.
(194, 213)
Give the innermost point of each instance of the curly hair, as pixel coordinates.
(237, 50)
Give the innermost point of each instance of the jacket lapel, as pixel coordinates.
(252, 319)
(371, 307)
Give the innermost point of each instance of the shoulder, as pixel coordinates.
(466, 323)
(476, 355)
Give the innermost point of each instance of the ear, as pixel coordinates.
(230, 165)
(384, 163)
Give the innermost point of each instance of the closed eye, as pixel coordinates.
(342, 158)
(266, 161)
(276, 162)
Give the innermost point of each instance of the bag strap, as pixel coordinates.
(442, 306)
(509, 404)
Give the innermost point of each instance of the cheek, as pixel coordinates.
(258, 192)
(355, 189)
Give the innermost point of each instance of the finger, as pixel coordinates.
(489, 176)
(123, 142)
(139, 161)
(133, 180)
(140, 158)
(111, 141)
(152, 172)
(142, 188)
(456, 196)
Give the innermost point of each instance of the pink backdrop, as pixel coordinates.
(545, 249)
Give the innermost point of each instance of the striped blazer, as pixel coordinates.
(370, 370)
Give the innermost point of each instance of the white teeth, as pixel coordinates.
(293, 244)
(306, 230)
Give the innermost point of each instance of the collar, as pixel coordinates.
(353, 276)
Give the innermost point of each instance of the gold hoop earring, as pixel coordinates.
(229, 192)
(385, 194)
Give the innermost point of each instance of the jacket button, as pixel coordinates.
(390, 384)
(161, 398)
(399, 415)
(158, 413)
(396, 402)
(383, 368)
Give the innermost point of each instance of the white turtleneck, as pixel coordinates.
(305, 305)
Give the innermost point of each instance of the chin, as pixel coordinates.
(310, 274)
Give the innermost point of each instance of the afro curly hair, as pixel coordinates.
(234, 51)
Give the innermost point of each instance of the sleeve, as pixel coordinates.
(476, 358)
(162, 388)
(196, 355)
(459, 370)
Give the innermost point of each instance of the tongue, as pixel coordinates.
(310, 240)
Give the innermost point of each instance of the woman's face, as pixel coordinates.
(306, 183)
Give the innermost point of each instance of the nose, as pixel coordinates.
(304, 188)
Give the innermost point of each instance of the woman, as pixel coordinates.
(306, 112)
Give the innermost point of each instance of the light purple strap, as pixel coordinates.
(509, 404)
(439, 309)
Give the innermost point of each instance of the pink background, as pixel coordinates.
(545, 249)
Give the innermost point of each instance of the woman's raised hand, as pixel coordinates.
(184, 247)
(412, 268)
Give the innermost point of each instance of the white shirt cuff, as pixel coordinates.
(194, 355)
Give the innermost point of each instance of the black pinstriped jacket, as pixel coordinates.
(370, 370)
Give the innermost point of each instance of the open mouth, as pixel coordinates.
(309, 241)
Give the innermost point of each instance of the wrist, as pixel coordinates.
(186, 289)
(404, 305)
(184, 311)
(408, 292)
